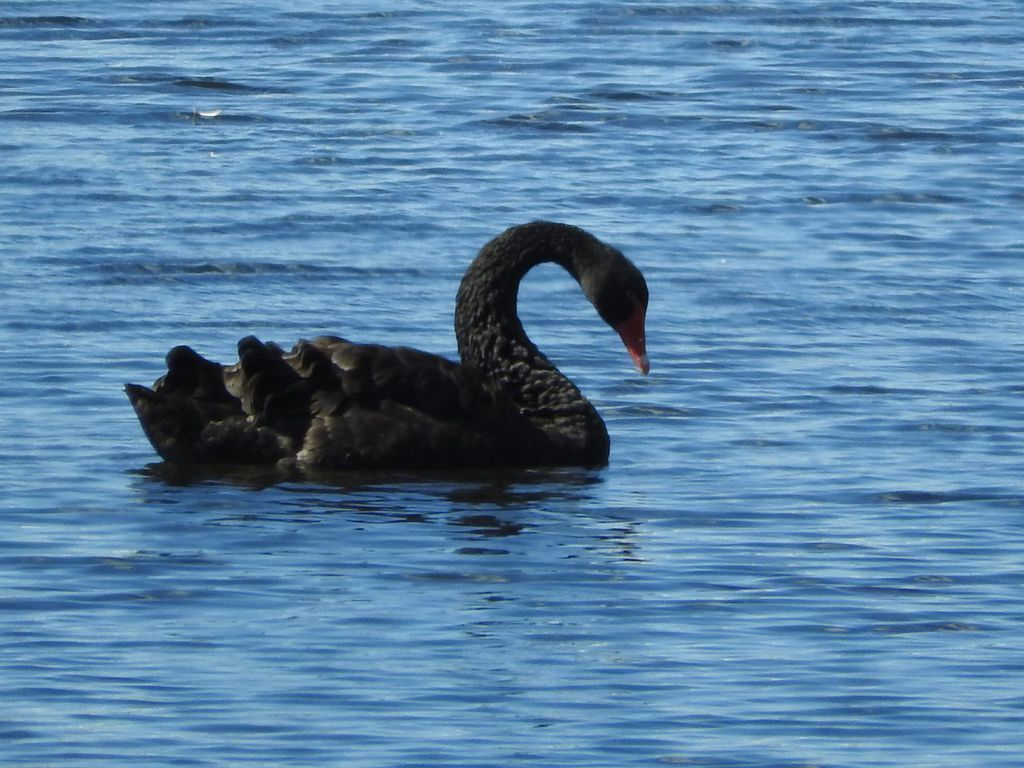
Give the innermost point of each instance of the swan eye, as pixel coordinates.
(636, 298)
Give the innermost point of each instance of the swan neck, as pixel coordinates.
(487, 326)
(492, 340)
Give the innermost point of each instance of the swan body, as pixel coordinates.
(330, 404)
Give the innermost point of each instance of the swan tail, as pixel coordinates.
(190, 416)
(172, 424)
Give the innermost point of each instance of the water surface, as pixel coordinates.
(807, 547)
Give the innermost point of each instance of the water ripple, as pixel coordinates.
(806, 549)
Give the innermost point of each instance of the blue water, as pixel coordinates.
(808, 548)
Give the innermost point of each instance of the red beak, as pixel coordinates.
(631, 331)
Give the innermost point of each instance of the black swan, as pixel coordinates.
(333, 404)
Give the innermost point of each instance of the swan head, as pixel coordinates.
(619, 293)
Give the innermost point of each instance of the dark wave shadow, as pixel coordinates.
(487, 504)
(256, 477)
